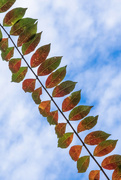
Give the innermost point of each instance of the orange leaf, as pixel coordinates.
(60, 129)
(14, 65)
(44, 108)
(75, 152)
(117, 174)
(65, 140)
(94, 175)
(53, 118)
(28, 85)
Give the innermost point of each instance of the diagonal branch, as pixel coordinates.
(55, 104)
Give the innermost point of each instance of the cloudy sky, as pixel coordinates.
(88, 36)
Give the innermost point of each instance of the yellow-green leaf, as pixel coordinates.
(94, 175)
(83, 163)
(60, 129)
(8, 54)
(75, 152)
(65, 140)
(53, 118)
(36, 95)
(19, 76)
(5, 5)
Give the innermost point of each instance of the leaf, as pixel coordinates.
(4, 44)
(111, 162)
(5, 5)
(1, 36)
(65, 140)
(56, 77)
(87, 123)
(104, 147)
(44, 108)
(28, 85)
(21, 25)
(8, 54)
(96, 137)
(19, 76)
(79, 112)
(14, 65)
(53, 118)
(60, 129)
(94, 175)
(13, 16)
(83, 163)
(71, 101)
(117, 174)
(36, 95)
(63, 89)
(27, 34)
(31, 45)
(40, 55)
(75, 152)
(48, 66)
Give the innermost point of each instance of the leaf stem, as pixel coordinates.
(55, 103)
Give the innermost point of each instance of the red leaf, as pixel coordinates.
(28, 85)
(75, 152)
(14, 65)
(60, 129)
(4, 44)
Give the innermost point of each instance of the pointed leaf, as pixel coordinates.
(71, 101)
(48, 66)
(94, 175)
(19, 76)
(63, 89)
(5, 5)
(104, 147)
(14, 65)
(56, 77)
(40, 55)
(111, 162)
(60, 129)
(87, 123)
(53, 118)
(96, 137)
(21, 25)
(1, 36)
(13, 16)
(4, 44)
(117, 174)
(28, 85)
(26, 35)
(65, 140)
(79, 112)
(8, 54)
(75, 152)
(44, 108)
(31, 45)
(83, 163)
(36, 95)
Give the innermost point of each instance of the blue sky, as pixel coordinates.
(87, 34)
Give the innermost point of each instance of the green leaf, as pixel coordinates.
(117, 173)
(28, 85)
(75, 152)
(104, 147)
(111, 162)
(36, 95)
(21, 25)
(71, 101)
(87, 123)
(60, 129)
(94, 175)
(1, 36)
(4, 44)
(56, 77)
(83, 163)
(13, 16)
(65, 140)
(79, 112)
(31, 45)
(44, 108)
(53, 118)
(63, 89)
(5, 5)
(96, 137)
(19, 76)
(26, 35)
(40, 55)
(8, 54)
(15, 64)
(48, 66)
